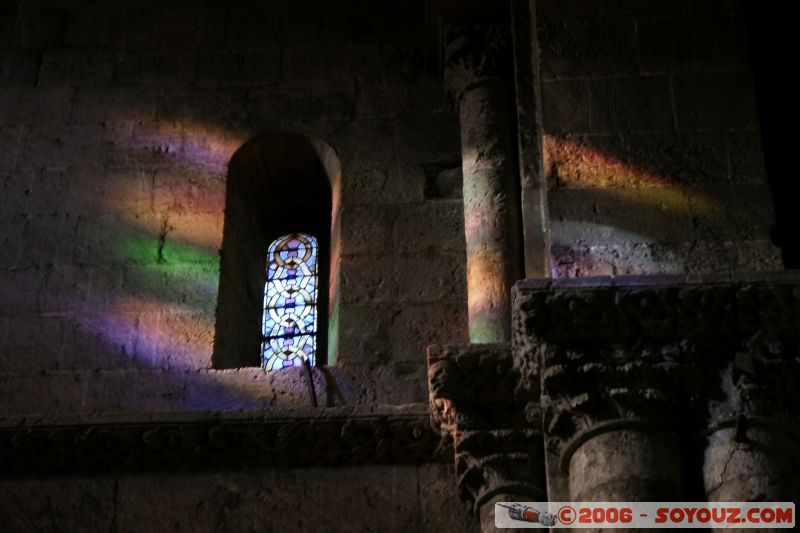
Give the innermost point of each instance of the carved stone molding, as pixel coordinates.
(475, 54)
(321, 439)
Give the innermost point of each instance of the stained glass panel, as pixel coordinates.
(289, 326)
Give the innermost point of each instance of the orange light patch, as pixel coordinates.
(577, 165)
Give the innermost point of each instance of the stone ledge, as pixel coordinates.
(288, 438)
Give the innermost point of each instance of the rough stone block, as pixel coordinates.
(18, 68)
(126, 191)
(111, 104)
(432, 227)
(704, 257)
(586, 49)
(21, 288)
(109, 239)
(364, 332)
(569, 11)
(427, 137)
(46, 239)
(758, 255)
(747, 157)
(377, 499)
(93, 28)
(15, 187)
(367, 229)
(686, 45)
(362, 144)
(690, 158)
(614, 216)
(415, 327)
(218, 106)
(185, 188)
(430, 278)
(156, 69)
(395, 96)
(35, 345)
(443, 181)
(638, 160)
(715, 101)
(261, 65)
(43, 393)
(338, 62)
(66, 145)
(722, 213)
(318, 112)
(613, 260)
(668, 9)
(192, 285)
(11, 241)
(565, 106)
(133, 391)
(437, 491)
(630, 104)
(50, 504)
(75, 68)
(191, 237)
(370, 182)
(20, 105)
(94, 341)
(367, 279)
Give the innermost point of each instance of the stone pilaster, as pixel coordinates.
(475, 399)
(479, 77)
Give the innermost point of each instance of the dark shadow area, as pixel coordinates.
(773, 47)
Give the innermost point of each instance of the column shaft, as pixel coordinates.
(491, 210)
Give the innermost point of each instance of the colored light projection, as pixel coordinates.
(582, 166)
(290, 302)
(630, 204)
(152, 236)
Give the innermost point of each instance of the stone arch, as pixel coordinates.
(278, 183)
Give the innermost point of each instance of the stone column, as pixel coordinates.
(495, 429)
(638, 463)
(478, 76)
(751, 447)
(604, 358)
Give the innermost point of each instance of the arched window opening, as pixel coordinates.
(289, 325)
(277, 302)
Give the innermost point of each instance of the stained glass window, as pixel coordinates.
(289, 326)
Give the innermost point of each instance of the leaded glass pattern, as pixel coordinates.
(289, 326)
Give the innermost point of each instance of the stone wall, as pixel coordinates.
(117, 122)
(377, 499)
(652, 151)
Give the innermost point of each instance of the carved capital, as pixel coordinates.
(475, 54)
(495, 425)
(506, 461)
(635, 351)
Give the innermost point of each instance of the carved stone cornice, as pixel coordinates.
(475, 54)
(495, 425)
(322, 439)
(634, 351)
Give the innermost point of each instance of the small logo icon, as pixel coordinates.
(523, 513)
